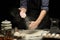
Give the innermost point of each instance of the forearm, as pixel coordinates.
(44, 9)
(41, 16)
(35, 24)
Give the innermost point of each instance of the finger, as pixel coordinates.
(19, 8)
(23, 15)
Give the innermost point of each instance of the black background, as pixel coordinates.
(6, 5)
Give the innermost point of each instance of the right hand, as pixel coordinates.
(22, 12)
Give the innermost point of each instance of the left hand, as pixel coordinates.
(33, 25)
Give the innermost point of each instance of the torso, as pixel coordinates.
(34, 7)
(34, 4)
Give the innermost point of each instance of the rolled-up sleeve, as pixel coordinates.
(45, 4)
(23, 3)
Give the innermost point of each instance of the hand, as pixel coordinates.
(33, 25)
(22, 14)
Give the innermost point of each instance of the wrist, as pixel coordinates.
(23, 9)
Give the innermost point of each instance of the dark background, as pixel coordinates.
(7, 5)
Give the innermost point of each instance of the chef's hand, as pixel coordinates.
(22, 12)
(33, 25)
